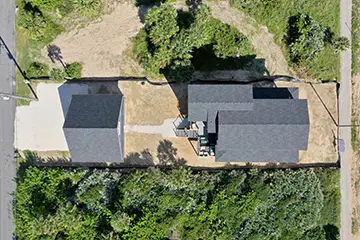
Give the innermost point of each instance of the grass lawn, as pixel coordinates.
(26, 51)
(355, 37)
(275, 17)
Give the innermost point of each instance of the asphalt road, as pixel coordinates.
(345, 120)
(7, 115)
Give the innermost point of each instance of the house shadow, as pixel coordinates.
(70, 88)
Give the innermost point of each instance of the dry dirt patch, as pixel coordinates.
(149, 104)
(322, 113)
(100, 46)
(149, 144)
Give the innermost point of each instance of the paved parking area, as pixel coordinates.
(39, 126)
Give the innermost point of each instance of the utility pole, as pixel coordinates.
(6, 96)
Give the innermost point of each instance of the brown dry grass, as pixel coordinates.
(149, 104)
(323, 130)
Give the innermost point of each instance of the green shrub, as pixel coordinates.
(88, 8)
(36, 25)
(73, 70)
(305, 38)
(57, 74)
(46, 5)
(37, 70)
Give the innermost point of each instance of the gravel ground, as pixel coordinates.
(166, 129)
(39, 125)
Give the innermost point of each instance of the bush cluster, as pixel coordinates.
(169, 39)
(54, 203)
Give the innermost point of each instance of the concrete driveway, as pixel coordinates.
(39, 125)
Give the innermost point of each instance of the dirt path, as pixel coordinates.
(262, 41)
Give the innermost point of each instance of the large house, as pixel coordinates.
(239, 123)
(94, 128)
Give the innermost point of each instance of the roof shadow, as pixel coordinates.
(275, 93)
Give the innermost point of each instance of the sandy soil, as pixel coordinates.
(148, 104)
(323, 129)
(100, 46)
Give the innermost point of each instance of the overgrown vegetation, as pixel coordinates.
(42, 20)
(54, 203)
(318, 28)
(171, 39)
(355, 41)
(37, 70)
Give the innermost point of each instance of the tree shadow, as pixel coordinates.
(143, 158)
(331, 232)
(167, 154)
(54, 53)
(143, 10)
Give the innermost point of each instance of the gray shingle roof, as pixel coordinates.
(204, 98)
(269, 111)
(275, 129)
(257, 156)
(220, 93)
(93, 127)
(94, 144)
(260, 125)
(94, 111)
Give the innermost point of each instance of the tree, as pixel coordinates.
(167, 42)
(74, 70)
(37, 70)
(161, 24)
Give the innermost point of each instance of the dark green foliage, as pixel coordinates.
(153, 204)
(37, 70)
(73, 70)
(169, 39)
